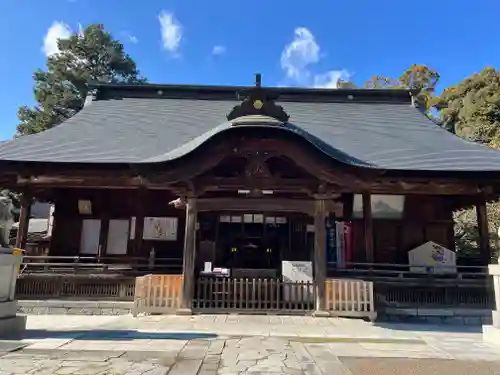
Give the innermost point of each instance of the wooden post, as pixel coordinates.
(52, 230)
(482, 225)
(24, 219)
(188, 261)
(320, 256)
(368, 225)
(139, 221)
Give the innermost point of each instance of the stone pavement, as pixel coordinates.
(232, 344)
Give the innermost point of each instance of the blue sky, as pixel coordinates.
(225, 42)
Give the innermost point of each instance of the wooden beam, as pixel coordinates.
(368, 226)
(302, 157)
(319, 258)
(81, 180)
(482, 225)
(431, 186)
(288, 185)
(23, 229)
(435, 186)
(448, 189)
(257, 204)
(188, 262)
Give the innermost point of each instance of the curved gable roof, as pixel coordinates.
(390, 135)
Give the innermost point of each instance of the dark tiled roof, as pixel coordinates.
(370, 129)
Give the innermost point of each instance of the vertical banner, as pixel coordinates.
(331, 241)
(339, 229)
(348, 241)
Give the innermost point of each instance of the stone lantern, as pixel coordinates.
(492, 333)
(11, 325)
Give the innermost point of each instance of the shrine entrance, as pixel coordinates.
(240, 261)
(258, 203)
(253, 240)
(252, 244)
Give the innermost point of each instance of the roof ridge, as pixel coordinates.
(106, 91)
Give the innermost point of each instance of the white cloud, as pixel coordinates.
(171, 32)
(58, 30)
(219, 50)
(299, 57)
(130, 37)
(329, 79)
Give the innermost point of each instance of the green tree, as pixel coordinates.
(420, 78)
(472, 107)
(60, 90)
(381, 82)
(467, 233)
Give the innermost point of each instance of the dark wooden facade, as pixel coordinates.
(293, 170)
(425, 218)
(304, 194)
(259, 169)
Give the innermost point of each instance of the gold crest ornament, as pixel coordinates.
(258, 104)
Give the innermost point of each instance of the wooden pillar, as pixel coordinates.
(104, 217)
(320, 255)
(188, 261)
(139, 221)
(52, 230)
(482, 226)
(368, 226)
(24, 218)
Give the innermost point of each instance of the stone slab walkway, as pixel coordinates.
(228, 345)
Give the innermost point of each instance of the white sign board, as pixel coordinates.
(89, 238)
(294, 272)
(117, 242)
(157, 228)
(160, 228)
(208, 267)
(431, 254)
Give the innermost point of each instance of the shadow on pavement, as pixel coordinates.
(7, 346)
(115, 335)
(430, 327)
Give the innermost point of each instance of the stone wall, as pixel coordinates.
(58, 307)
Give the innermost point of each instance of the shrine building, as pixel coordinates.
(244, 178)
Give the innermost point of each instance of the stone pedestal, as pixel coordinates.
(492, 333)
(11, 325)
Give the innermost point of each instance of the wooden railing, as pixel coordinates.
(253, 295)
(433, 295)
(75, 287)
(350, 298)
(99, 265)
(388, 271)
(157, 294)
(396, 285)
(110, 278)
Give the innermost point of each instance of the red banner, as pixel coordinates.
(348, 242)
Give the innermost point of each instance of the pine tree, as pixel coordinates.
(60, 91)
